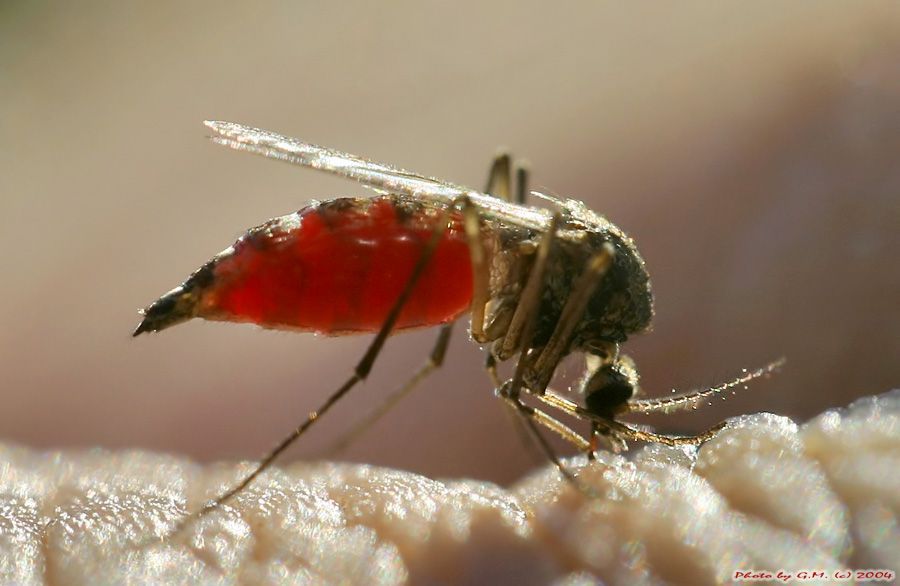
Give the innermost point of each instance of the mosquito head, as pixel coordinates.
(178, 305)
(607, 387)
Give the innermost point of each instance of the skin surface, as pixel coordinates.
(765, 494)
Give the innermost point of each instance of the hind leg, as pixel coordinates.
(435, 361)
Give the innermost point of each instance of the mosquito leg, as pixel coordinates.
(521, 185)
(613, 440)
(572, 313)
(435, 361)
(501, 316)
(498, 185)
(522, 322)
(623, 431)
(539, 417)
(598, 428)
(360, 372)
(500, 177)
(511, 391)
(480, 275)
(534, 417)
(490, 365)
(548, 450)
(500, 323)
(595, 435)
(501, 184)
(530, 299)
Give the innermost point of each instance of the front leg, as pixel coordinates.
(557, 346)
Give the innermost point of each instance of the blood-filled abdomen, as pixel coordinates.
(338, 267)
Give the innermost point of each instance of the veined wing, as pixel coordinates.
(378, 176)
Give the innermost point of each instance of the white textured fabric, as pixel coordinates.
(764, 495)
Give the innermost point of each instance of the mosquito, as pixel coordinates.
(539, 284)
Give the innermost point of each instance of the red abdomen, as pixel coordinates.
(338, 267)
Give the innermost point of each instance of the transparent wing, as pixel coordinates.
(377, 176)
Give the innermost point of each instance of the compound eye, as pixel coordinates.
(606, 400)
(608, 387)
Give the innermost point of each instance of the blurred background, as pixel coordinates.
(751, 150)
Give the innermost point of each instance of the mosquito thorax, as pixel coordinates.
(623, 303)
